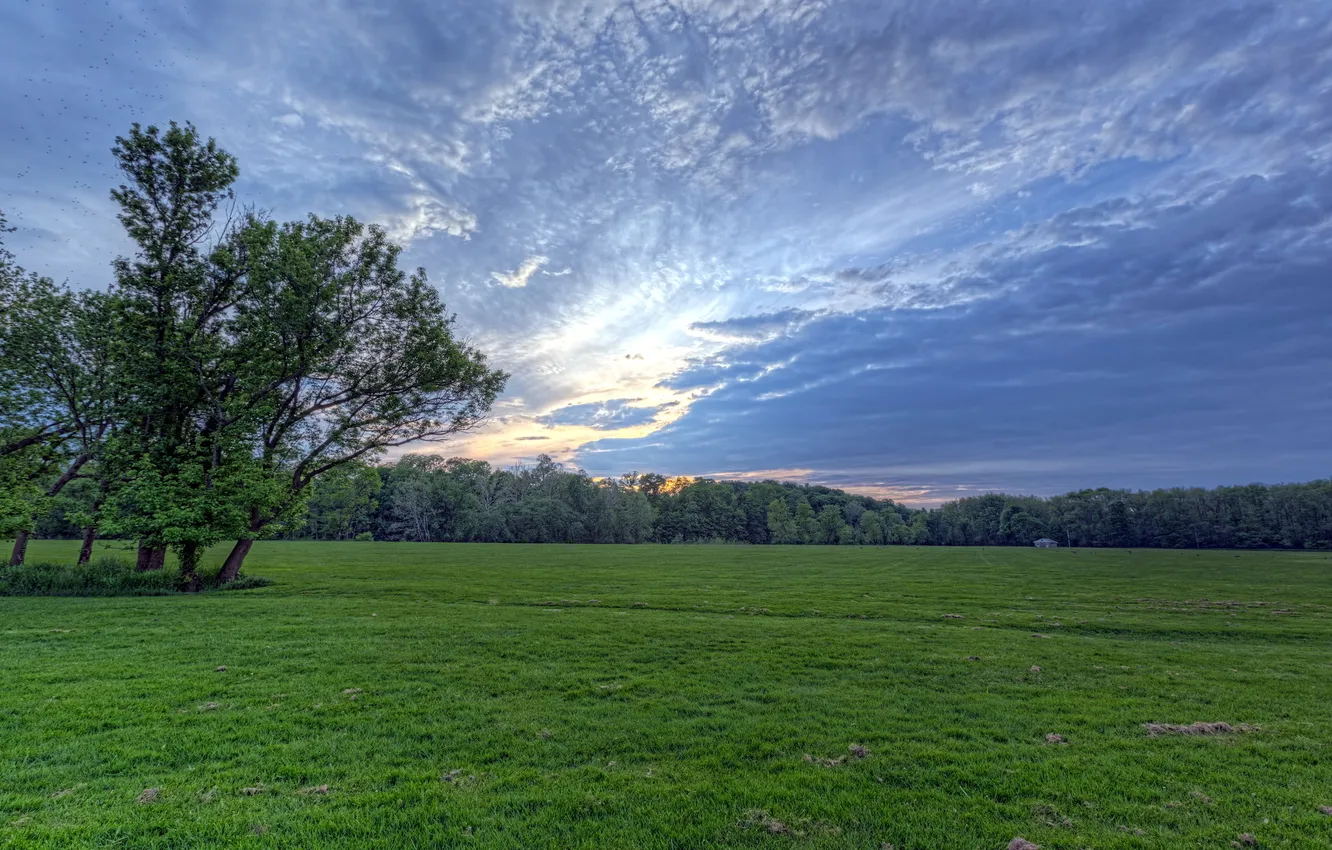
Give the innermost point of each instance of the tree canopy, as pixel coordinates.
(423, 497)
(233, 361)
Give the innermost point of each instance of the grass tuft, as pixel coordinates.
(106, 576)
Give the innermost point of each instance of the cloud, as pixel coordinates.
(753, 329)
(896, 217)
(1173, 341)
(427, 216)
(519, 277)
(604, 415)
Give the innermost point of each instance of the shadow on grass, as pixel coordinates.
(106, 577)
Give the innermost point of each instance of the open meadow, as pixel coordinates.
(440, 695)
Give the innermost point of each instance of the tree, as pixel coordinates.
(895, 531)
(919, 531)
(347, 356)
(1017, 527)
(58, 342)
(830, 525)
(757, 498)
(870, 529)
(54, 401)
(428, 497)
(343, 502)
(633, 515)
(781, 525)
(30, 425)
(170, 483)
(807, 526)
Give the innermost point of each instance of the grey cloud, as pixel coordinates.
(1186, 345)
(968, 182)
(753, 329)
(603, 415)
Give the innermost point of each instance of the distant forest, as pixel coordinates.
(430, 498)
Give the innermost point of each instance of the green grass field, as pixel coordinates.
(552, 696)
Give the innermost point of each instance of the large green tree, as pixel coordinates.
(346, 356)
(174, 359)
(254, 357)
(59, 342)
(30, 416)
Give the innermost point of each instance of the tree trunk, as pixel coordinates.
(189, 565)
(150, 558)
(21, 538)
(85, 551)
(20, 549)
(232, 567)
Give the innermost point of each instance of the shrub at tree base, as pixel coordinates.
(104, 577)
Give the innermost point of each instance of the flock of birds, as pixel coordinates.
(82, 73)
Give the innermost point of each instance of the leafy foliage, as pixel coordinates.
(428, 498)
(234, 361)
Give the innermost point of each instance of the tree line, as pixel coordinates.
(232, 363)
(429, 498)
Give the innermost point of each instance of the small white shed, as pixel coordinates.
(1046, 543)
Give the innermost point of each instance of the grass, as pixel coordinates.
(547, 696)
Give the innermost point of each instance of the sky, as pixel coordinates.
(917, 250)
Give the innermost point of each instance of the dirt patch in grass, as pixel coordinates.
(1155, 730)
(149, 795)
(1052, 818)
(855, 752)
(1022, 844)
(455, 777)
(767, 823)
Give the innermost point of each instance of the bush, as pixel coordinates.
(103, 577)
(365, 537)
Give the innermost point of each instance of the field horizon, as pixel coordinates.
(510, 695)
